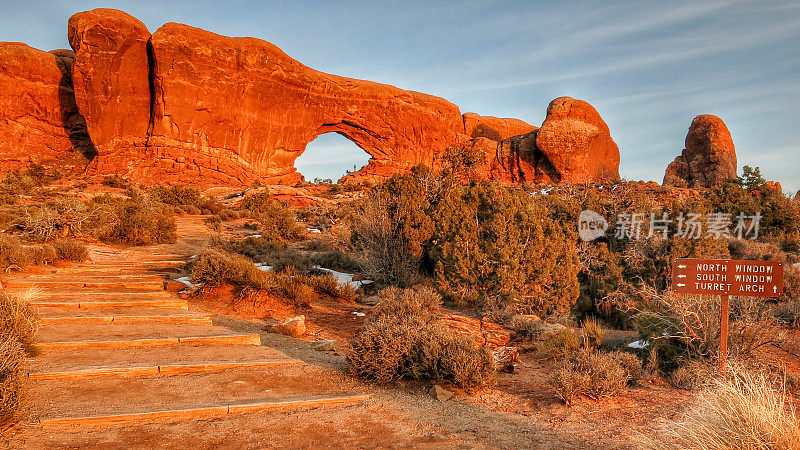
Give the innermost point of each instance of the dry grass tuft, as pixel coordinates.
(19, 320)
(17, 330)
(742, 411)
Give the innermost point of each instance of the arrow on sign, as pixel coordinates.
(681, 266)
(774, 289)
(681, 276)
(681, 284)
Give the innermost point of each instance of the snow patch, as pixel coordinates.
(186, 281)
(345, 278)
(638, 344)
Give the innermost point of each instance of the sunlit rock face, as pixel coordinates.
(184, 105)
(39, 121)
(709, 157)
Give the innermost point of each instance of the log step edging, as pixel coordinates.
(204, 413)
(109, 304)
(235, 339)
(205, 319)
(160, 370)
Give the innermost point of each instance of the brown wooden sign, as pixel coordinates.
(728, 277)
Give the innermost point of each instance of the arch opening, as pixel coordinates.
(330, 157)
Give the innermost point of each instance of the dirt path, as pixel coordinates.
(126, 364)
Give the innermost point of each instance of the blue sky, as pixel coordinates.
(648, 67)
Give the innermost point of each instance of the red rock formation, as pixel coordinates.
(494, 128)
(709, 157)
(577, 142)
(573, 145)
(242, 107)
(188, 106)
(39, 122)
(111, 79)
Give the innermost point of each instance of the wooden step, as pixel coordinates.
(160, 370)
(234, 339)
(50, 284)
(92, 293)
(203, 413)
(195, 319)
(159, 303)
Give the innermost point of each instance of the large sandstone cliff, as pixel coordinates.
(184, 105)
(39, 120)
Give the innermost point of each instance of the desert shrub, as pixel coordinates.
(296, 290)
(17, 339)
(336, 260)
(276, 219)
(629, 362)
(289, 258)
(407, 303)
(347, 293)
(70, 250)
(593, 334)
(19, 320)
(391, 226)
(787, 313)
(214, 266)
(526, 327)
(560, 344)
(404, 340)
(749, 194)
(496, 245)
(692, 374)
(741, 410)
(136, 221)
(115, 181)
(41, 254)
(57, 218)
(590, 373)
(176, 195)
(12, 253)
(324, 283)
(568, 383)
(688, 327)
(12, 378)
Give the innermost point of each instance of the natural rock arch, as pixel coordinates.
(318, 152)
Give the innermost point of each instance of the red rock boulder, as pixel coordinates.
(709, 158)
(39, 121)
(576, 141)
(111, 76)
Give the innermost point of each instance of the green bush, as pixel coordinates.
(404, 340)
(483, 243)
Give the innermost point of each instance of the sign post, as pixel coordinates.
(725, 277)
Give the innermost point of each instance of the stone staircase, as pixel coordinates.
(118, 350)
